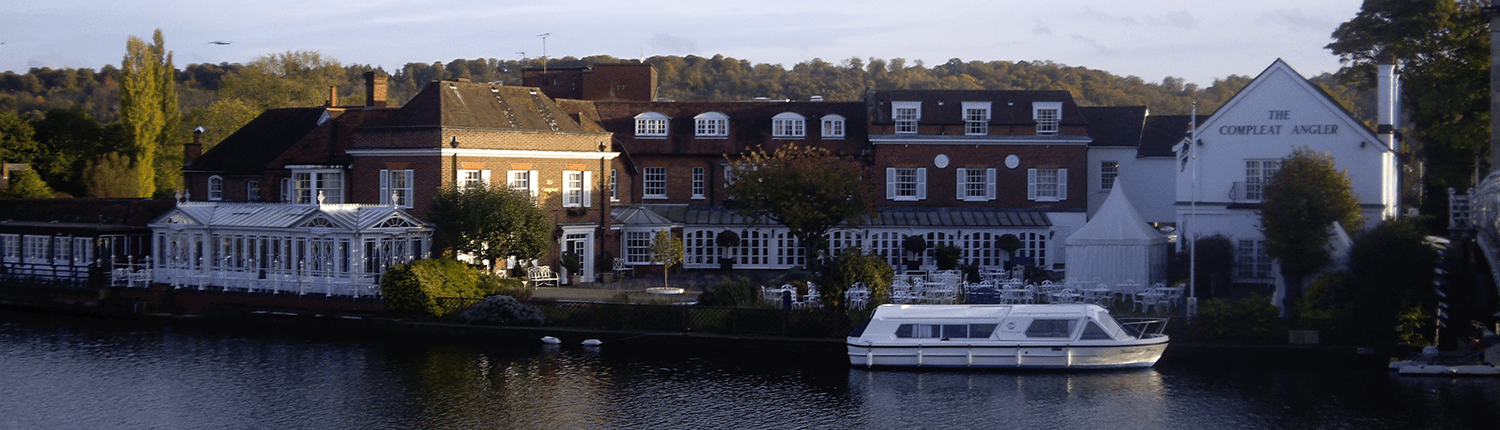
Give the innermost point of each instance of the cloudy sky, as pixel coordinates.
(1197, 40)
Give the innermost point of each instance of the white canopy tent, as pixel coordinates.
(1117, 245)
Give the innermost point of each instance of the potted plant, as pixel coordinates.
(1010, 243)
(727, 240)
(947, 257)
(604, 264)
(915, 245)
(574, 263)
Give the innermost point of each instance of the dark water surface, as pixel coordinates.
(62, 374)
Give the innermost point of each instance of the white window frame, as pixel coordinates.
(636, 246)
(577, 188)
(614, 185)
(1252, 262)
(252, 191)
(651, 125)
(1048, 116)
(1108, 172)
(976, 185)
(907, 116)
(976, 118)
(654, 183)
(1258, 172)
(286, 190)
(1047, 185)
(833, 126)
(468, 178)
(308, 184)
(522, 180)
(700, 178)
(10, 248)
(711, 125)
(906, 184)
(215, 188)
(398, 184)
(788, 125)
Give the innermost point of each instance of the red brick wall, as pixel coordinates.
(1010, 190)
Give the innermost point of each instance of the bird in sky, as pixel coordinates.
(219, 42)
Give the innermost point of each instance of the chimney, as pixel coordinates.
(191, 151)
(375, 89)
(1388, 103)
(333, 96)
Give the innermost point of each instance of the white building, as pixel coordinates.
(1219, 177)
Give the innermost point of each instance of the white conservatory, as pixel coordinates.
(328, 249)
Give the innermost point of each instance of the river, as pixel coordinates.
(58, 373)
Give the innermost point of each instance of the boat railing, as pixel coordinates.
(1143, 328)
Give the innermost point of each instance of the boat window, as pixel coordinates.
(1050, 328)
(981, 331)
(1094, 332)
(953, 331)
(860, 331)
(945, 331)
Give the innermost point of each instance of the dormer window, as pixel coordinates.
(1047, 115)
(651, 124)
(711, 124)
(788, 125)
(906, 114)
(833, 127)
(976, 118)
(215, 188)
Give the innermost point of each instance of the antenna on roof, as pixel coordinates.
(544, 51)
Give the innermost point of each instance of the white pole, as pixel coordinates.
(1192, 301)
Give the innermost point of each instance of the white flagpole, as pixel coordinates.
(1192, 301)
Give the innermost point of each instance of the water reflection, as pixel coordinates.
(66, 374)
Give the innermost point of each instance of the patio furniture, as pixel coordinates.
(540, 275)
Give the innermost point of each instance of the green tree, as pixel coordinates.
(290, 79)
(26, 184)
(1442, 47)
(805, 189)
(491, 223)
(221, 118)
(111, 175)
(667, 250)
(1305, 196)
(1392, 265)
(852, 266)
(17, 140)
(69, 139)
(148, 108)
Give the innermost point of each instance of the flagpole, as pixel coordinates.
(1192, 301)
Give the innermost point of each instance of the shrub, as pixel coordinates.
(415, 286)
(502, 310)
(513, 287)
(734, 293)
(852, 266)
(947, 257)
(1249, 319)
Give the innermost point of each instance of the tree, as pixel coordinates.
(148, 108)
(1442, 47)
(491, 223)
(111, 175)
(805, 189)
(69, 139)
(26, 184)
(667, 250)
(1392, 267)
(293, 78)
(17, 143)
(1304, 197)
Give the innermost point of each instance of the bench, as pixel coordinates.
(621, 269)
(540, 275)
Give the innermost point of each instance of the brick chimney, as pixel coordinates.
(333, 96)
(375, 90)
(191, 151)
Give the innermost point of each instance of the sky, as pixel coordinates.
(1198, 40)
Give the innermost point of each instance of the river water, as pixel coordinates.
(70, 373)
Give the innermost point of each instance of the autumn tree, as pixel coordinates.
(148, 108)
(1305, 196)
(803, 188)
(1442, 49)
(26, 184)
(491, 223)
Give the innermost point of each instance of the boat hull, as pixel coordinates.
(996, 356)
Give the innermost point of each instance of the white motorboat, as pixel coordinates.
(1060, 336)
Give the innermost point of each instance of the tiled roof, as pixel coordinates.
(255, 145)
(488, 106)
(945, 106)
(80, 214)
(1162, 132)
(1115, 125)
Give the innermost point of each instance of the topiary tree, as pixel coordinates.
(667, 250)
(728, 240)
(916, 245)
(947, 257)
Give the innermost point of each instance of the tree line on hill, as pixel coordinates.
(74, 114)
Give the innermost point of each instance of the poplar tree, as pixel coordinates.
(148, 109)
